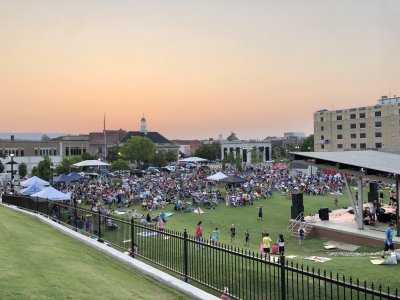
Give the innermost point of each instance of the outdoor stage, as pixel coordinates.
(342, 227)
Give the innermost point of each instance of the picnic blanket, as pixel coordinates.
(168, 214)
(318, 259)
(147, 233)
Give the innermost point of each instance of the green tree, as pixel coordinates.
(22, 169)
(308, 144)
(232, 137)
(171, 156)
(43, 168)
(208, 151)
(45, 137)
(139, 149)
(87, 156)
(239, 163)
(34, 171)
(112, 153)
(277, 153)
(65, 165)
(1, 167)
(255, 156)
(120, 164)
(159, 159)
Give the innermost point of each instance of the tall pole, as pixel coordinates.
(105, 138)
(12, 167)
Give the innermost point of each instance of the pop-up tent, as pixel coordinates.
(32, 180)
(193, 159)
(217, 176)
(34, 188)
(75, 176)
(233, 179)
(63, 178)
(52, 194)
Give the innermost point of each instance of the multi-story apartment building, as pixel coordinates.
(371, 127)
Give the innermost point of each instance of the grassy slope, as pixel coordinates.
(38, 262)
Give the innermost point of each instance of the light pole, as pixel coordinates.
(52, 167)
(12, 167)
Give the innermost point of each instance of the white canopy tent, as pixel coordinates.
(193, 159)
(31, 181)
(91, 163)
(51, 193)
(217, 176)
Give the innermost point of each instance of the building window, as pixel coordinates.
(362, 115)
(340, 146)
(322, 119)
(36, 153)
(353, 126)
(322, 137)
(353, 136)
(54, 152)
(363, 135)
(339, 118)
(378, 145)
(362, 125)
(22, 152)
(322, 146)
(339, 136)
(322, 128)
(378, 134)
(363, 146)
(378, 124)
(352, 116)
(339, 127)
(378, 113)
(67, 151)
(353, 146)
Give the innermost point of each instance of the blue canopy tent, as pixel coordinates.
(63, 178)
(34, 188)
(75, 176)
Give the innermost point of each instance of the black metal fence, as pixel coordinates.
(241, 273)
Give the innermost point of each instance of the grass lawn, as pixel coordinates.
(38, 262)
(276, 220)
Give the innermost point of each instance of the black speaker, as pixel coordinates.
(372, 196)
(296, 211)
(373, 186)
(324, 214)
(297, 199)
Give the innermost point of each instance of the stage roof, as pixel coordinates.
(359, 163)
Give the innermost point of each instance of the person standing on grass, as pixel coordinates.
(335, 201)
(247, 237)
(233, 233)
(281, 244)
(389, 233)
(267, 245)
(216, 234)
(199, 233)
(260, 213)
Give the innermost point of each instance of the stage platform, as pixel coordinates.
(342, 227)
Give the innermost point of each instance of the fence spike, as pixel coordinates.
(351, 280)
(372, 286)
(380, 288)
(388, 290)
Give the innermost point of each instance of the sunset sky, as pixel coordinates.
(195, 69)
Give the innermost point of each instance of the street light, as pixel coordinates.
(12, 166)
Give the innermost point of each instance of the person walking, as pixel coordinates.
(233, 233)
(260, 213)
(389, 233)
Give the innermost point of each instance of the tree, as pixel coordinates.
(255, 156)
(239, 163)
(22, 169)
(139, 149)
(65, 165)
(112, 153)
(209, 151)
(232, 137)
(120, 164)
(308, 144)
(159, 159)
(277, 153)
(45, 137)
(87, 156)
(34, 171)
(1, 167)
(43, 168)
(171, 156)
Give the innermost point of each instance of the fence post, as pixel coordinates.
(75, 216)
(132, 237)
(185, 255)
(58, 212)
(99, 216)
(47, 208)
(37, 206)
(283, 274)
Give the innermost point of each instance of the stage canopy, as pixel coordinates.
(217, 176)
(91, 163)
(52, 194)
(193, 159)
(32, 181)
